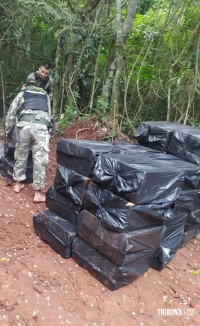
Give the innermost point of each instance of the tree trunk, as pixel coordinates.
(110, 91)
(56, 90)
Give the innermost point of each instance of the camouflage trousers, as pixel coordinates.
(36, 138)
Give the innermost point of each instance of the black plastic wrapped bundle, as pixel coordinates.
(70, 184)
(114, 245)
(104, 270)
(172, 241)
(126, 148)
(194, 217)
(62, 205)
(80, 156)
(192, 226)
(110, 274)
(187, 202)
(55, 231)
(175, 232)
(190, 232)
(157, 134)
(7, 165)
(145, 178)
(186, 144)
(191, 204)
(117, 214)
(7, 160)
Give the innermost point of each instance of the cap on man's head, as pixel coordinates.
(30, 81)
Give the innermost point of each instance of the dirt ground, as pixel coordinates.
(39, 287)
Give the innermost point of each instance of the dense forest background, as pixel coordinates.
(129, 60)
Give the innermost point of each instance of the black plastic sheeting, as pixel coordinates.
(7, 160)
(171, 137)
(117, 214)
(145, 178)
(156, 134)
(186, 145)
(70, 184)
(180, 229)
(62, 205)
(191, 231)
(103, 269)
(132, 206)
(116, 246)
(55, 231)
(7, 164)
(110, 274)
(81, 156)
(172, 241)
(174, 234)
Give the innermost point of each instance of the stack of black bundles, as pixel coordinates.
(132, 206)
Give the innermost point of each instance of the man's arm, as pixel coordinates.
(12, 114)
(49, 88)
(49, 105)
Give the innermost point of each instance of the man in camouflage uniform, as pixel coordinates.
(30, 111)
(43, 80)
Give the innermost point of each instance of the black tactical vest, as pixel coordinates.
(35, 101)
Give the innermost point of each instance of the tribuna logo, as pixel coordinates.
(169, 312)
(175, 312)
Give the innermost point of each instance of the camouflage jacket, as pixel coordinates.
(46, 84)
(15, 111)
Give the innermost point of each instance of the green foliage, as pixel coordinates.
(161, 57)
(194, 122)
(10, 97)
(145, 5)
(70, 113)
(66, 118)
(110, 136)
(144, 73)
(101, 107)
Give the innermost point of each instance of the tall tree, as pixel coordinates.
(111, 87)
